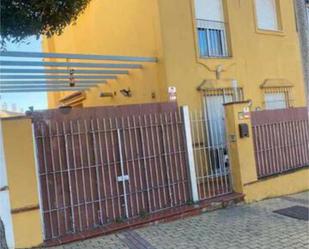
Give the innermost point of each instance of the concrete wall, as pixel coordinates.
(243, 165)
(23, 200)
(166, 29)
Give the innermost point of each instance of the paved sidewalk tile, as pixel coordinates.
(253, 226)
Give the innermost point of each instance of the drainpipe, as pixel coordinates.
(303, 32)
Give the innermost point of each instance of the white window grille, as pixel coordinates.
(277, 98)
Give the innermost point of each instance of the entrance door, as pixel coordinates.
(215, 127)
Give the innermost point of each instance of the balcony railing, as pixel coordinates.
(212, 38)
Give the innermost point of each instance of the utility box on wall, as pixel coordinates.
(244, 130)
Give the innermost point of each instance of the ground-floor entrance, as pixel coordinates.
(210, 142)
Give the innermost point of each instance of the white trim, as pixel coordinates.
(189, 143)
(5, 205)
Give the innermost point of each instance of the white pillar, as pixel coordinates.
(190, 155)
(5, 206)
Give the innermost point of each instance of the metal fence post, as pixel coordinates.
(190, 156)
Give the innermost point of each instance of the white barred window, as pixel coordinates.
(277, 98)
(211, 28)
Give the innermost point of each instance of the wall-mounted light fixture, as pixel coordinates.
(126, 92)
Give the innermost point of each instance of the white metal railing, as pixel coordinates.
(212, 37)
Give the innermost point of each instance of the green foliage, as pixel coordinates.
(190, 202)
(144, 214)
(121, 219)
(23, 18)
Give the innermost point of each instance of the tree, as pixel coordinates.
(23, 18)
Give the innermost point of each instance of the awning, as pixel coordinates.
(275, 83)
(58, 72)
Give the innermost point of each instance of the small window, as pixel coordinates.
(211, 28)
(277, 98)
(267, 14)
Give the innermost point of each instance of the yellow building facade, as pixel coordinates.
(203, 47)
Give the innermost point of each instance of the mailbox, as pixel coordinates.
(243, 130)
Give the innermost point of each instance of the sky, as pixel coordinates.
(23, 101)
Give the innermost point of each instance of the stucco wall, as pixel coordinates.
(5, 206)
(256, 55)
(280, 185)
(166, 29)
(118, 27)
(23, 200)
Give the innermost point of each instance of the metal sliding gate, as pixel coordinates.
(95, 172)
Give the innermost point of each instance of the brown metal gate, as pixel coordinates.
(99, 166)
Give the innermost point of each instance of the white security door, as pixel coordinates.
(215, 127)
(216, 120)
(209, 143)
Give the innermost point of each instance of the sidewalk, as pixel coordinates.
(243, 226)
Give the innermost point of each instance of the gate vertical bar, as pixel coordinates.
(43, 137)
(122, 173)
(75, 174)
(54, 176)
(190, 156)
(83, 172)
(98, 185)
(69, 176)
